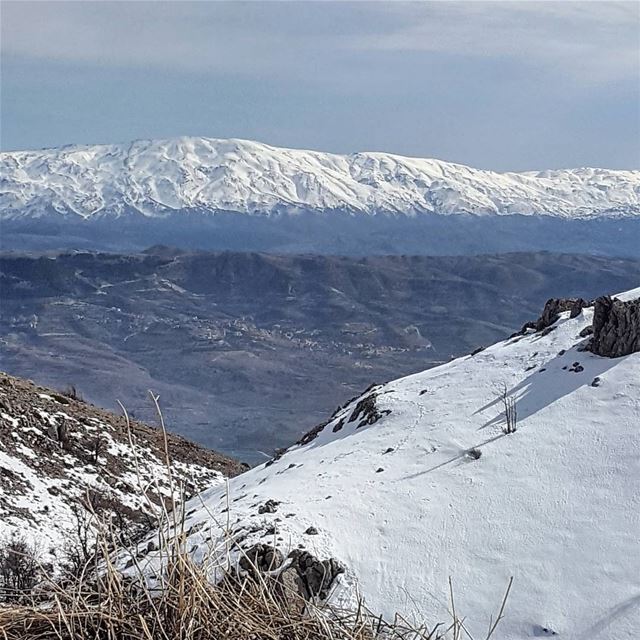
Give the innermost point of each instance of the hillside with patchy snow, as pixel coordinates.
(207, 175)
(60, 457)
(421, 479)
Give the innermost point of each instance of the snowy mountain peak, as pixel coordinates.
(208, 175)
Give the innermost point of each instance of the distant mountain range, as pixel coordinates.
(237, 194)
(154, 178)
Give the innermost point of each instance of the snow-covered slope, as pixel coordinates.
(209, 175)
(392, 487)
(58, 454)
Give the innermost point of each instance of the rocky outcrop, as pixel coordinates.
(367, 411)
(552, 310)
(616, 327)
(317, 576)
(313, 578)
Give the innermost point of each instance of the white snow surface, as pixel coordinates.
(556, 504)
(157, 177)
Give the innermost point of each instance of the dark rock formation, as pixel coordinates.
(312, 434)
(587, 331)
(338, 425)
(261, 557)
(317, 576)
(304, 574)
(367, 411)
(616, 327)
(270, 506)
(552, 310)
(365, 408)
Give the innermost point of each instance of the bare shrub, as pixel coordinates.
(20, 569)
(80, 549)
(510, 410)
(97, 447)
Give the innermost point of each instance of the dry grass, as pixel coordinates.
(186, 605)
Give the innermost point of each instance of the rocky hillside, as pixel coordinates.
(60, 456)
(520, 460)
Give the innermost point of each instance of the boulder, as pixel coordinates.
(261, 557)
(616, 327)
(552, 310)
(302, 575)
(317, 576)
(270, 506)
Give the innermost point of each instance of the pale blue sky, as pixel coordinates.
(507, 85)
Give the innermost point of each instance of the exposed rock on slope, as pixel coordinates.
(616, 327)
(552, 310)
(311, 577)
(59, 455)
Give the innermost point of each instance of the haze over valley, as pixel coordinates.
(249, 351)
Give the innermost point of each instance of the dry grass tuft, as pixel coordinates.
(187, 607)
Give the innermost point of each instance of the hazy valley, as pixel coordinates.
(249, 351)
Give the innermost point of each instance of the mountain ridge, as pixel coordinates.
(208, 175)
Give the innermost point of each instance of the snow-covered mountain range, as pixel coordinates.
(425, 478)
(208, 175)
